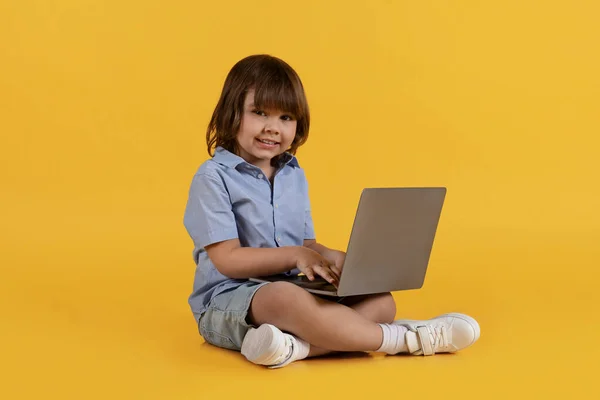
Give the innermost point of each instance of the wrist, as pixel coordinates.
(324, 251)
(296, 253)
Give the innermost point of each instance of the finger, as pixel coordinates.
(309, 274)
(336, 278)
(326, 274)
(336, 270)
(333, 271)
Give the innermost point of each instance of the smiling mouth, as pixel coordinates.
(269, 142)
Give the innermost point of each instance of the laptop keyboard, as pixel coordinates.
(318, 283)
(303, 281)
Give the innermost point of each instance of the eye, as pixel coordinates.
(260, 112)
(287, 118)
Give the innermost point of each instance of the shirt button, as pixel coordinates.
(276, 205)
(259, 176)
(279, 239)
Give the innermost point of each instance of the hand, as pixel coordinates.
(337, 259)
(311, 263)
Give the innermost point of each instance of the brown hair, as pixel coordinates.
(276, 86)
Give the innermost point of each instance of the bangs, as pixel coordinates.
(277, 90)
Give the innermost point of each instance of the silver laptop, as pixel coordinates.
(389, 246)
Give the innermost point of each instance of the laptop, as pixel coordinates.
(390, 243)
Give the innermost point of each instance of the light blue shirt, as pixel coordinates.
(230, 198)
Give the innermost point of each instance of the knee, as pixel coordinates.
(387, 307)
(279, 299)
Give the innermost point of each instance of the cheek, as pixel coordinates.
(246, 128)
(291, 129)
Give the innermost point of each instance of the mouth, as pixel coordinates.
(266, 142)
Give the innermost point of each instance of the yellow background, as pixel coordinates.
(103, 108)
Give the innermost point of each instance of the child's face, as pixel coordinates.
(257, 126)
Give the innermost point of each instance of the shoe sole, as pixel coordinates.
(474, 324)
(261, 346)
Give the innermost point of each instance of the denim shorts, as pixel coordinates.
(224, 323)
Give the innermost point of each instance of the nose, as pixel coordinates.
(272, 125)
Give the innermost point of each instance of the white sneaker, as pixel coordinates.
(267, 345)
(447, 333)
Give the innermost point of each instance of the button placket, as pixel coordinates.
(275, 205)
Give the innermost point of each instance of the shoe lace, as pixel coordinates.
(438, 335)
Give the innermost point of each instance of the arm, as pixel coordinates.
(238, 262)
(319, 248)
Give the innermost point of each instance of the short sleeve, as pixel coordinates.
(309, 229)
(209, 217)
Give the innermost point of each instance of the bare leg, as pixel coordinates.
(323, 324)
(379, 308)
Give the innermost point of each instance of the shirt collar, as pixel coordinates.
(227, 158)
